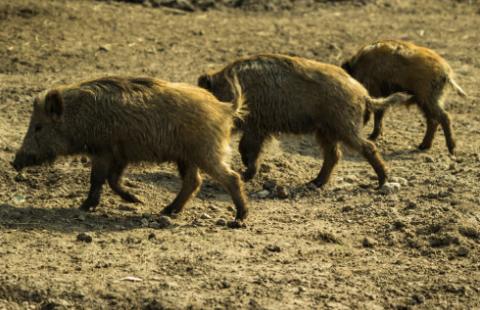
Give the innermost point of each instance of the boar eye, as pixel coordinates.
(38, 128)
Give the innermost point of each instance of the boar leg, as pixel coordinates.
(432, 126)
(250, 147)
(98, 176)
(369, 151)
(232, 182)
(116, 171)
(331, 155)
(447, 131)
(190, 186)
(377, 125)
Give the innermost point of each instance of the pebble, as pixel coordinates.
(351, 178)
(462, 251)
(269, 185)
(221, 222)
(205, 216)
(162, 222)
(83, 237)
(152, 236)
(428, 159)
(273, 248)
(145, 222)
(368, 242)
(400, 180)
(390, 187)
(282, 192)
(262, 194)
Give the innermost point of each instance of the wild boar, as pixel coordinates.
(118, 121)
(388, 66)
(295, 95)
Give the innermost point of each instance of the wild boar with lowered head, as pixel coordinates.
(295, 95)
(388, 66)
(118, 121)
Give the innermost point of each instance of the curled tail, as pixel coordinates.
(380, 104)
(238, 102)
(457, 87)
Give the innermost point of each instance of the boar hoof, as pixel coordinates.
(373, 137)
(236, 224)
(424, 147)
(88, 206)
(247, 175)
(316, 183)
(131, 198)
(170, 210)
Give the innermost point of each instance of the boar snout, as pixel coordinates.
(23, 160)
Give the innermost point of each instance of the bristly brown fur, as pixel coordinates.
(122, 120)
(295, 95)
(389, 66)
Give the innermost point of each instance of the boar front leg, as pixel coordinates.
(98, 176)
(250, 147)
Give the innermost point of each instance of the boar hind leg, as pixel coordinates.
(377, 126)
(447, 131)
(250, 147)
(370, 152)
(232, 182)
(98, 176)
(115, 174)
(190, 186)
(331, 155)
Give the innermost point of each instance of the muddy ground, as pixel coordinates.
(345, 246)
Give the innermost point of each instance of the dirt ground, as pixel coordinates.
(345, 246)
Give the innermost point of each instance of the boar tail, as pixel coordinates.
(457, 87)
(238, 103)
(380, 104)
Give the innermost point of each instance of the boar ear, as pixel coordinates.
(54, 104)
(205, 81)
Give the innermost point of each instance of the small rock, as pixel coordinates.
(428, 159)
(400, 180)
(273, 248)
(452, 166)
(264, 168)
(225, 284)
(368, 242)
(162, 222)
(282, 192)
(399, 225)
(205, 216)
(411, 205)
(104, 48)
(152, 236)
(221, 222)
(269, 185)
(83, 237)
(145, 222)
(463, 251)
(351, 178)
(418, 299)
(263, 194)
(390, 188)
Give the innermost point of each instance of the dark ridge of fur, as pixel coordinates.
(118, 121)
(286, 94)
(389, 66)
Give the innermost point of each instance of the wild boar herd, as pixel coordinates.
(118, 121)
